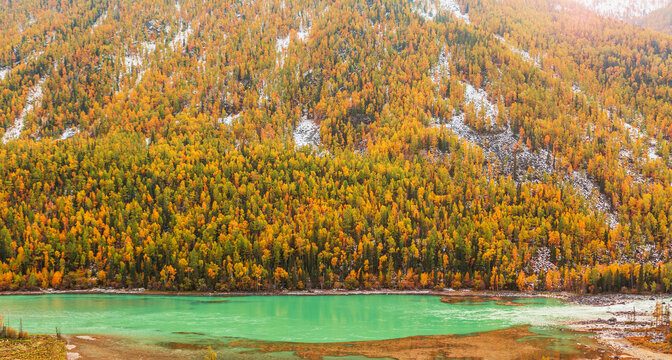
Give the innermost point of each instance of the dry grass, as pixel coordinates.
(645, 341)
(33, 348)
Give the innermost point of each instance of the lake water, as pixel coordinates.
(309, 319)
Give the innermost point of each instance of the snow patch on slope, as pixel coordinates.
(70, 132)
(429, 9)
(136, 61)
(304, 33)
(635, 135)
(542, 261)
(623, 9)
(479, 98)
(281, 46)
(506, 153)
(181, 38)
(503, 149)
(591, 192)
(523, 53)
(228, 120)
(441, 71)
(3, 73)
(15, 130)
(307, 133)
(101, 19)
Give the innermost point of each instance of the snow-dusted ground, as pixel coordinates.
(101, 19)
(441, 71)
(15, 130)
(541, 261)
(3, 73)
(479, 98)
(304, 33)
(307, 133)
(228, 120)
(623, 9)
(635, 134)
(576, 89)
(506, 153)
(523, 53)
(502, 148)
(429, 9)
(69, 132)
(136, 61)
(181, 38)
(590, 191)
(281, 46)
(526, 56)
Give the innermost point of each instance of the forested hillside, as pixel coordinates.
(253, 145)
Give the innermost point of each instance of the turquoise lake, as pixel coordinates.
(276, 318)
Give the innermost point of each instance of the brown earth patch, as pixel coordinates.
(512, 343)
(645, 342)
(469, 300)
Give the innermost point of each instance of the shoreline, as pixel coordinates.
(314, 292)
(605, 299)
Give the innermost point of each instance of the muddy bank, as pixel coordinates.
(512, 343)
(84, 347)
(482, 300)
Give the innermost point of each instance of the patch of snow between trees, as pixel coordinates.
(34, 96)
(281, 46)
(307, 133)
(591, 192)
(635, 135)
(3, 73)
(503, 147)
(479, 98)
(542, 261)
(181, 38)
(504, 151)
(68, 133)
(304, 33)
(441, 71)
(101, 19)
(523, 53)
(136, 61)
(428, 9)
(228, 120)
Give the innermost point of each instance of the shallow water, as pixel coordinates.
(279, 318)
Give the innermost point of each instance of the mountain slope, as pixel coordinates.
(202, 145)
(659, 20)
(625, 10)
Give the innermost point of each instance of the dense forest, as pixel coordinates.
(293, 144)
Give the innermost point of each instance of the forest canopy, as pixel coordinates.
(291, 144)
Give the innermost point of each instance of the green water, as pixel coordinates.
(273, 318)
